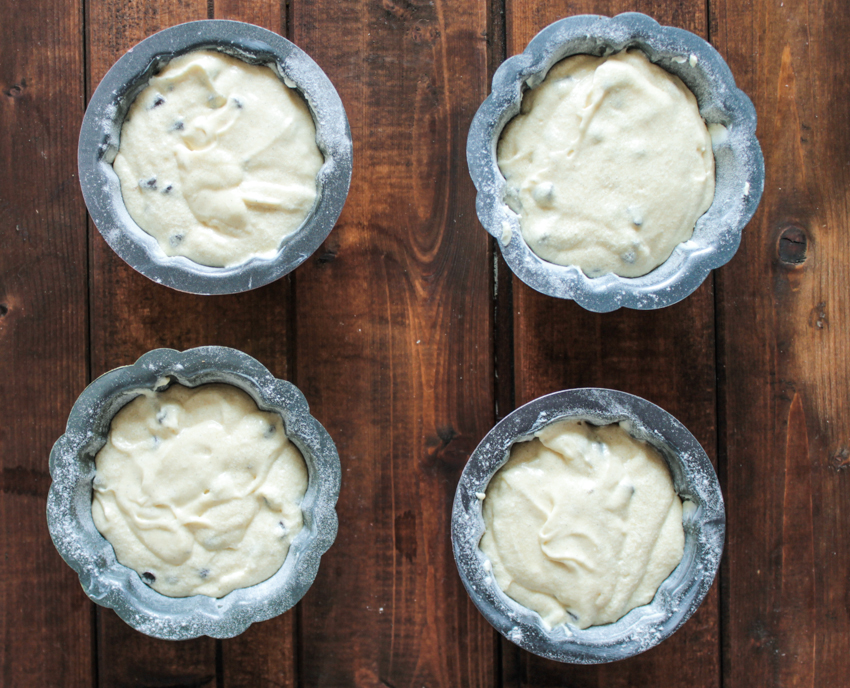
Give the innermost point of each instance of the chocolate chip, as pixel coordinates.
(168, 189)
(270, 431)
(203, 573)
(159, 100)
(161, 416)
(177, 126)
(148, 577)
(238, 103)
(176, 239)
(148, 183)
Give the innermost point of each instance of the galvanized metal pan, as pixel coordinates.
(679, 595)
(113, 585)
(739, 163)
(101, 133)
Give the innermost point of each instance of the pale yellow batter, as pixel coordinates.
(218, 159)
(582, 524)
(609, 164)
(198, 490)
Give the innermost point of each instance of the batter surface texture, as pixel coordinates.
(608, 165)
(218, 159)
(198, 490)
(582, 524)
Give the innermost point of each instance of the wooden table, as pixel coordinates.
(410, 338)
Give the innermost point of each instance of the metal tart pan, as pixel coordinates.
(678, 597)
(113, 585)
(739, 165)
(100, 137)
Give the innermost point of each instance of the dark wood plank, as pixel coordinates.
(46, 621)
(131, 315)
(666, 356)
(503, 300)
(265, 654)
(783, 325)
(394, 344)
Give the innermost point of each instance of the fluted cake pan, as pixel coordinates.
(731, 118)
(101, 133)
(109, 583)
(678, 596)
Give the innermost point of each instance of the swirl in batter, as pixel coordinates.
(609, 164)
(582, 524)
(218, 159)
(198, 490)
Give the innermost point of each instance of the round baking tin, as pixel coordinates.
(100, 137)
(739, 165)
(113, 585)
(678, 596)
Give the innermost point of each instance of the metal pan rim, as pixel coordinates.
(738, 158)
(679, 595)
(113, 585)
(100, 137)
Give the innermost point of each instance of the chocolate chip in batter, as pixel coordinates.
(176, 239)
(159, 100)
(270, 431)
(168, 189)
(148, 577)
(203, 573)
(177, 126)
(148, 183)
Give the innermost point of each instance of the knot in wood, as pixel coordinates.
(793, 246)
(16, 90)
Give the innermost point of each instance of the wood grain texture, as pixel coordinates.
(46, 622)
(503, 317)
(665, 356)
(131, 315)
(394, 344)
(783, 330)
(265, 655)
(129, 659)
(392, 332)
